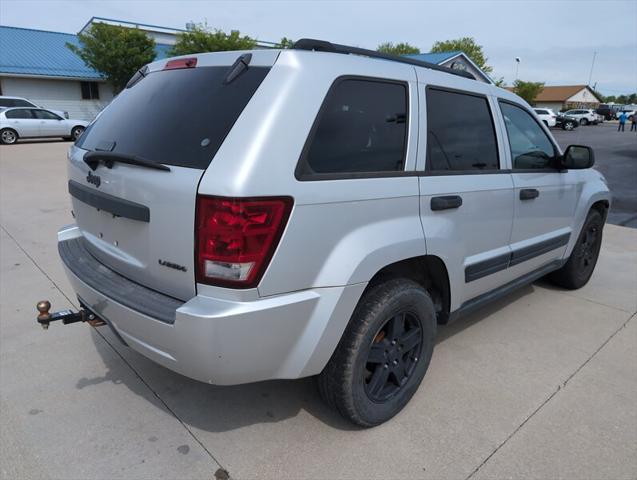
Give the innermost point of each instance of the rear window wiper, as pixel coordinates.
(93, 159)
(237, 68)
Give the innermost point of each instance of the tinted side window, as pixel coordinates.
(362, 127)
(460, 133)
(20, 113)
(541, 112)
(44, 115)
(530, 147)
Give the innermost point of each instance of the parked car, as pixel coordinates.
(547, 116)
(565, 122)
(607, 111)
(16, 123)
(23, 102)
(629, 113)
(584, 117)
(255, 236)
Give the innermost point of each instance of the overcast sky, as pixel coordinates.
(555, 40)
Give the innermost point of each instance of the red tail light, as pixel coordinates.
(181, 63)
(236, 238)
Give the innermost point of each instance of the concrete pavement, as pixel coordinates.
(538, 385)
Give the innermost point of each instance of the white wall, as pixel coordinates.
(583, 96)
(65, 95)
(475, 72)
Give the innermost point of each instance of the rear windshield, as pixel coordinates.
(176, 117)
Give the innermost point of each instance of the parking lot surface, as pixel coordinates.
(540, 385)
(616, 158)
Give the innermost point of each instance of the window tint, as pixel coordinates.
(90, 91)
(530, 147)
(45, 115)
(541, 112)
(362, 127)
(14, 102)
(460, 134)
(176, 117)
(19, 113)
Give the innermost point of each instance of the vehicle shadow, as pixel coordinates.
(224, 408)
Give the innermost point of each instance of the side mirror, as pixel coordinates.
(578, 157)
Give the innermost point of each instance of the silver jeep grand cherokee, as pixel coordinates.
(277, 214)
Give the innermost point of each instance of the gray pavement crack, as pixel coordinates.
(550, 397)
(135, 372)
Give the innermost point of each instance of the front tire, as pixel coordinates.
(76, 132)
(568, 126)
(579, 267)
(8, 136)
(383, 354)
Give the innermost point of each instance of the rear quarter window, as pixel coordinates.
(176, 117)
(361, 128)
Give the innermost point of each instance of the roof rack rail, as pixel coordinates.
(324, 46)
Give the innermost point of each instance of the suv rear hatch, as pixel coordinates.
(134, 173)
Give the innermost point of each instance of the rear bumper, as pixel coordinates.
(215, 340)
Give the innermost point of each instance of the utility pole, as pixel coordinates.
(590, 76)
(517, 66)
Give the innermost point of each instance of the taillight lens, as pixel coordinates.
(236, 238)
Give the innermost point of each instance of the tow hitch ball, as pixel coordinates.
(67, 316)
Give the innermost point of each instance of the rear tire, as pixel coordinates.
(383, 354)
(579, 267)
(8, 136)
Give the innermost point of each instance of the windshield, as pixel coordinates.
(177, 117)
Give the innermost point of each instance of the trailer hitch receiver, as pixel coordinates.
(66, 316)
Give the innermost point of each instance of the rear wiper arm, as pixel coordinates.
(93, 159)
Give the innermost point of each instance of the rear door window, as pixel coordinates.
(176, 117)
(361, 128)
(14, 102)
(460, 132)
(21, 113)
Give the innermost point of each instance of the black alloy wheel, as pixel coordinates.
(392, 356)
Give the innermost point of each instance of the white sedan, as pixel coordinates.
(18, 123)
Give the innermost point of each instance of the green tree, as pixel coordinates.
(402, 48)
(527, 90)
(115, 52)
(500, 82)
(285, 43)
(468, 46)
(610, 99)
(202, 39)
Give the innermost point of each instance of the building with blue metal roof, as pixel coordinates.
(37, 65)
(457, 60)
